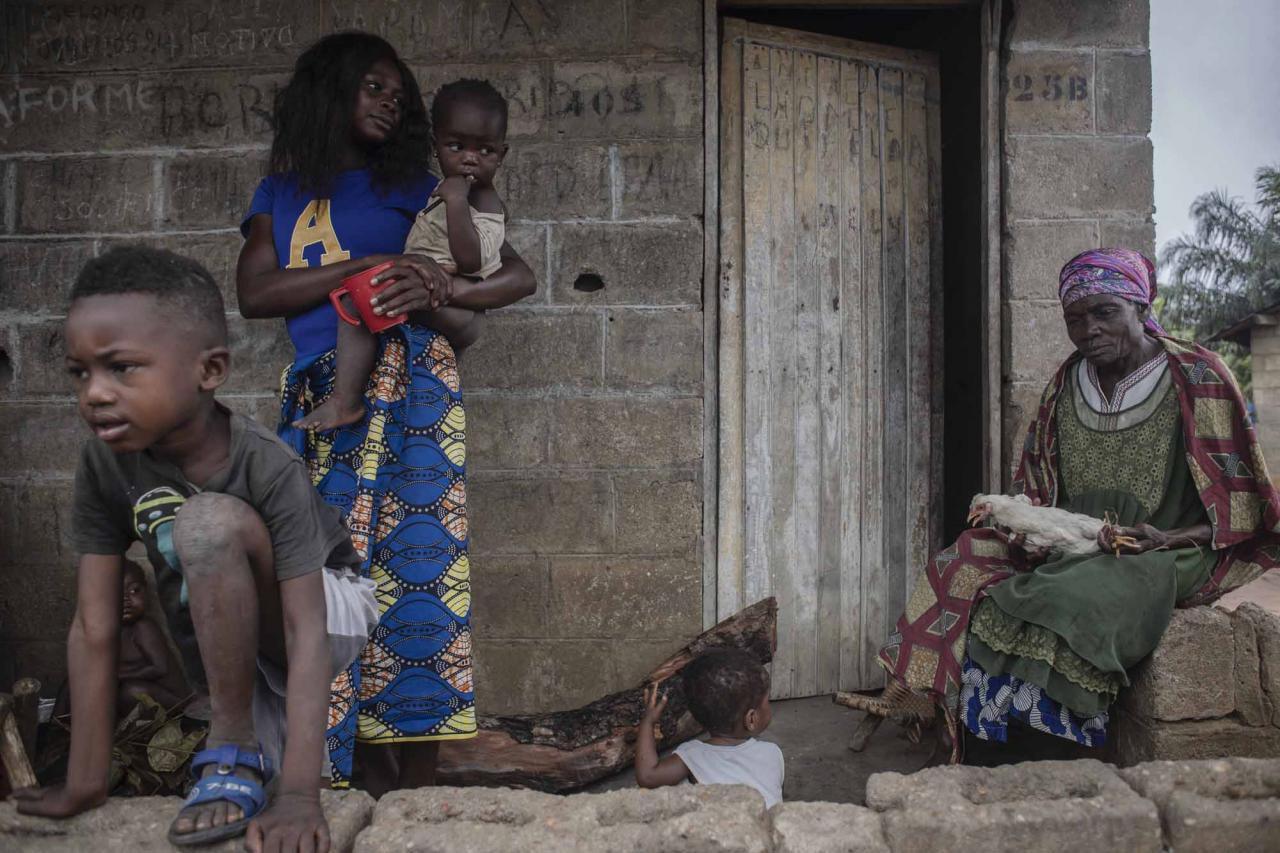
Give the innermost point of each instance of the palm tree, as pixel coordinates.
(1230, 268)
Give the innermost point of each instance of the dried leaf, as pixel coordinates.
(164, 752)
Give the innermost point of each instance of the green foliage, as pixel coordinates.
(1230, 267)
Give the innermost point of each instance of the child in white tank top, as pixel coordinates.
(728, 693)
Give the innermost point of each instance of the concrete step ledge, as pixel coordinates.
(1224, 804)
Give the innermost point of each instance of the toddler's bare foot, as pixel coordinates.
(333, 413)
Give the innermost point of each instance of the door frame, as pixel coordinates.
(991, 18)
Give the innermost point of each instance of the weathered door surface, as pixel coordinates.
(830, 400)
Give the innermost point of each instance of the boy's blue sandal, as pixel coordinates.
(224, 785)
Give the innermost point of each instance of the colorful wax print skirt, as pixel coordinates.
(399, 477)
(988, 702)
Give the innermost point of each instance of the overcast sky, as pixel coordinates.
(1215, 70)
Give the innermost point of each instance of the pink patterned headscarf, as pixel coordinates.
(1119, 272)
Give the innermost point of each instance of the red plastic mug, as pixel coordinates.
(361, 289)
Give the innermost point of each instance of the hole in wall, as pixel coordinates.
(588, 282)
(6, 369)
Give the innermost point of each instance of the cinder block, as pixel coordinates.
(89, 195)
(1057, 178)
(626, 98)
(1140, 739)
(40, 360)
(536, 515)
(218, 253)
(616, 597)
(530, 241)
(525, 677)
(1021, 402)
(507, 432)
(666, 26)
(1083, 23)
(506, 680)
(658, 513)
(421, 30)
(1253, 705)
(1124, 93)
(1037, 340)
(638, 264)
(1189, 675)
(263, 408)
(523, 84)
(676, 818)
(648, 350)
(209, 192)
(626, 433)
(635, 659)
(45, 660)
(826, 828)
(36, 276)
(556, 181)
(1035, 806)
(1139, 234)
(1050, 92)
(47, 604)
(1267, 630)
(509, 597)
(552, 28)
(260, 351)
(536, 352)
(1207, 806)
(41, 439)
(141, 823)
(661, 178)
(69, 36)
(37, 529)
(103, 112)
(1036, 251)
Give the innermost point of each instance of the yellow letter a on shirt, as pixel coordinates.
(312, 227)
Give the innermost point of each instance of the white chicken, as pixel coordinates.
(1068, 533)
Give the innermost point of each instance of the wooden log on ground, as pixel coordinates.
(12, 754)
(564, 750)
(26, 709)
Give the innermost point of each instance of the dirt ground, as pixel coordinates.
(814, 735)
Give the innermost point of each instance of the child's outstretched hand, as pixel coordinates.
(654, 704)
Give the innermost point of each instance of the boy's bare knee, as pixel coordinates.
(211, 523)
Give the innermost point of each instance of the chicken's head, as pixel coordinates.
(980, 509)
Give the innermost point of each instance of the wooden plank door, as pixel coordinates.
(830, 271)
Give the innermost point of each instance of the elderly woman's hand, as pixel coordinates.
(417, 284)
(1132, 540)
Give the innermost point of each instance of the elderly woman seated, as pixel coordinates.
(1136, 427)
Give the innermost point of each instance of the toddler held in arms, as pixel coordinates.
(462, 229)
(728, 692)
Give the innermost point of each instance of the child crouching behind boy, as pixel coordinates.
(255, 572)
(728, 693)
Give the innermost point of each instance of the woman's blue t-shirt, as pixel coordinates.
(353, 222)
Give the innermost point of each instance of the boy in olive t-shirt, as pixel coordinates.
(256, 574)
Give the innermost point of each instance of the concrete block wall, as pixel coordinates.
(1264, 347)
(1077, 171)
(147, 121)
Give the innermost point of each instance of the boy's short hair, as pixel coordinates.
(479, 92)
(181, 285)
(722, 685)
